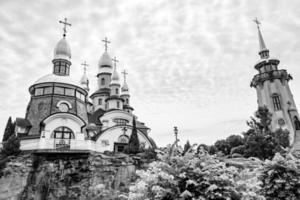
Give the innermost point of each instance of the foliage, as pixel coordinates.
(260, 141)
(186, 147)
(234, 141)
(194, 175)
(223, 146)
(280, 179)
(134, 143)
(11, 146)
(9, 130)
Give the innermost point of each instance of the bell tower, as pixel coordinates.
(273, 91)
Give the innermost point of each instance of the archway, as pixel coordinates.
(62, 137)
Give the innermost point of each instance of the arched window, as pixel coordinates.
(118, 104)
(296, 123)
(103, 81)
(117, 90)
(276, 102)
(63, 132)
(123, 139)
(99, 101)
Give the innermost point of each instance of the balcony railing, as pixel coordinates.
(62, 144)
(272, 75)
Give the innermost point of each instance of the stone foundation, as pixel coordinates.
(67, 176)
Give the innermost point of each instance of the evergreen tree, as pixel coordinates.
(186, 147)
(9, 130)
(11, 146)
(134, 143)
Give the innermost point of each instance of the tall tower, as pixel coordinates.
(105, 68)
(273, 91)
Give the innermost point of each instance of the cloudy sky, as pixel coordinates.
(189, 62)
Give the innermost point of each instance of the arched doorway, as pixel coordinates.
(62, 137)
(121, 144)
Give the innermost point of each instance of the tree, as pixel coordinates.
(11, 146)
(223, 146)
(234, 141)
(9, 130)
(259, 140)
(134, 143)
(186, 147)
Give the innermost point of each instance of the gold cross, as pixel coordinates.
(124, 73)
(106, 42)
(65, 23)
(115, 61)
(84, 64)
(257, 22)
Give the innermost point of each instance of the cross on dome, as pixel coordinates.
(105, 43)
(65, 23)
(115, 61)
(85, 65)
(257, 22)
(124, 74)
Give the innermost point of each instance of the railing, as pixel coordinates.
(275, 74)
(62, 143)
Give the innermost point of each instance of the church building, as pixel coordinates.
(273, 91)
(62, 116)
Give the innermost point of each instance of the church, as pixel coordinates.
(62, 116)
(273, 91)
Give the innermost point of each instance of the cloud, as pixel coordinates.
(189, 62)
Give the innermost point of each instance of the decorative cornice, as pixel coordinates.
(259, 79)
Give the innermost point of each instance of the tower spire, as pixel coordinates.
(263, 51)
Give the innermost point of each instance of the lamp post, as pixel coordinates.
(176, 134)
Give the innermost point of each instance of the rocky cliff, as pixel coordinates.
(67, 176)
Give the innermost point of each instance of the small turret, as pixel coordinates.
(125, 94)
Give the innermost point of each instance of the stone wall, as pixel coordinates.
(67, 176)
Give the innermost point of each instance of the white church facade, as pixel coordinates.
(273, 91)
(61, 116)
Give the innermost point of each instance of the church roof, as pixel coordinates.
(23, 122)
(50, 78)
(94, 118)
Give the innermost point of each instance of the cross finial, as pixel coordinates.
(85, 65)
(65, 23)
(105, 43)
(257, 22)
(115, 61)
(124, 129)
(124, 74)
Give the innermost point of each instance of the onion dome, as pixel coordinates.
(115, 79)
(62, 50)
(125, 87)
(105, 60)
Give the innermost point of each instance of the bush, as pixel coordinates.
(280, 179)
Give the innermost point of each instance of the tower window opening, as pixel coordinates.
(127, 101)
(118, 104)
(276, 102)
(100, 101)
(297, 123)
(102, 81)
(117, 90)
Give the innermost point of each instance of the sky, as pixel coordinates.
(190, 62)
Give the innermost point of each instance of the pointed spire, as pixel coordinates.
(125, 86)
(263, 51)
(84, 79)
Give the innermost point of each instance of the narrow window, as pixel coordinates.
(118, 104)
(99, 101)
(276, 102)
(102, 81)
(117, 90)
(297, 123)
(127, 101)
